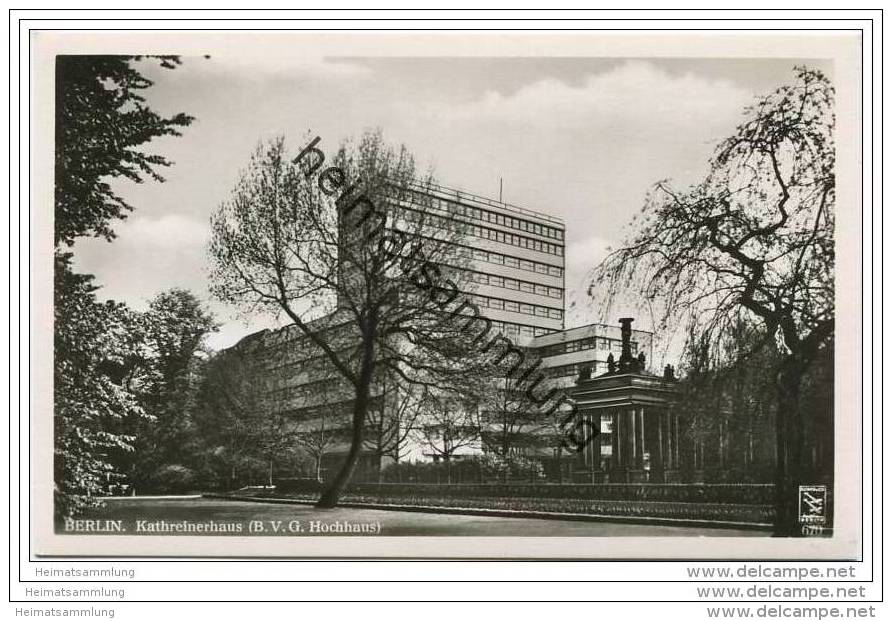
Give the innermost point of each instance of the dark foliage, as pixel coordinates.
(101, 123)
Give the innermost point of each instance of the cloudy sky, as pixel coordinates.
(580, 138)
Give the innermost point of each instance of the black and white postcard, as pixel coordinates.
(446, 295)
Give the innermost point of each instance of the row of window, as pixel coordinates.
(571, 370)
(498, 258)
(493, 217)
(484, 301)
(484, 232)
(517, 329)
(517, 285)
(592, 342)
(317, 390)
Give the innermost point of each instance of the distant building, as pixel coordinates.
(517, 281)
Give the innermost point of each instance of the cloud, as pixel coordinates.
(167, 232)
(636, 93)
(260, 64)
(148, 256)
(581, 257)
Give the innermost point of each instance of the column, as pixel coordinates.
(641, 447)
(614, 440)
(669, 444)
(662, 449)
(633, 454)
(677, 440)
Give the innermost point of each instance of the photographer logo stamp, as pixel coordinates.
(813, 504)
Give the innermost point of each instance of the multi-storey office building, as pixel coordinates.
(515, 259)
(515, 255)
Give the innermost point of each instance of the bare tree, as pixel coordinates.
(753, 242)
(392, 421)
(350, 256)
(319, 434)
(449, 423)
(511, 422)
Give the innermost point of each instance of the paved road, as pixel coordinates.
(136, 515)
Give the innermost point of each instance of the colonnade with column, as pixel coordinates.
(638, 430)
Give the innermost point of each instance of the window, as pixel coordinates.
(541, 290)
(512, 306)
(496, 303)
(526, 286)
(497, 281)
(510, 283)
(511, 261)
(553, 313)
(541, 311)
(526, 309)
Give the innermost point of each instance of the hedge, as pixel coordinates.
(677, 510)
(726, 493)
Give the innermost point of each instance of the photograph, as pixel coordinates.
(333, 289)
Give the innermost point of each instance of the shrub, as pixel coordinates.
(511, 467)
(298, 485)
(173, 478)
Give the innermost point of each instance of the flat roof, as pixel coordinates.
(580, 332)
(463, 196)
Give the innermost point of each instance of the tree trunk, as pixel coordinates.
(789, 448)
(270, 472)
(331, 495)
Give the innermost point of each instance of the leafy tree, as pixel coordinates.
(752, 243)
(338, 250)
(93, 355)
(102, 121)
(175, 326)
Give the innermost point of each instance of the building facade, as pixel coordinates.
(515, 264)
